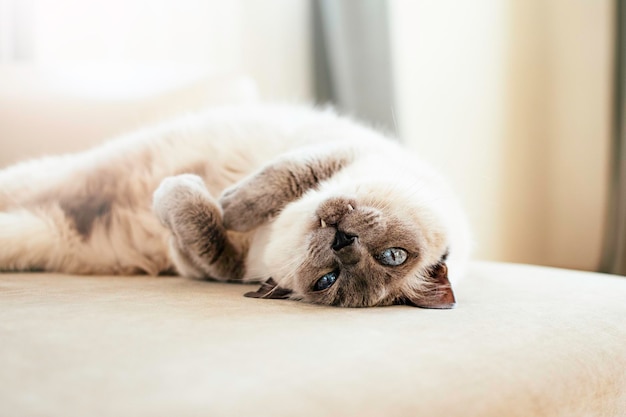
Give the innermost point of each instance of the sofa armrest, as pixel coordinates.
(52, 110)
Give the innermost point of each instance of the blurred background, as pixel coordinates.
(518, 102)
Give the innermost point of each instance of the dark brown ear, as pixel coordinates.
(269, 289)
(440, 296)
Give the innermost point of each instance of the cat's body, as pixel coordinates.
(305, 195)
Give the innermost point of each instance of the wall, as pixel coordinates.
(512, 100)
(579, 131)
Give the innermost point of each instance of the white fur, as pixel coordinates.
(235, 141)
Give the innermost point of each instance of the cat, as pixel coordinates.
(315, 206)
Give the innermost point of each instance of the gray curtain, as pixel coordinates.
(614, 256)
(353, 59)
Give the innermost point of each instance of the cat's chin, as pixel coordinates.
(289, 234)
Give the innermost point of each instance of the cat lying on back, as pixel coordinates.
(316, 206)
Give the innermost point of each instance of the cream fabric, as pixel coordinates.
(52, 110)
(523, 341)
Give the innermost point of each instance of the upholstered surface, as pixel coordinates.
(523, 341)
(53, 110)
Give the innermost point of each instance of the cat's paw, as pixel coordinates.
(177, 192)
(239, 208)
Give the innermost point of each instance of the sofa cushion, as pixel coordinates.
(69, 108)
(523, 341)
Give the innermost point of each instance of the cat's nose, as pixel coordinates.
(342, 239)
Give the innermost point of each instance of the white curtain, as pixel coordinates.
(15, 30)
(268, 40)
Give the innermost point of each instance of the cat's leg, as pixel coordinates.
(27, 240)
(263, 195)
(46, 237)
(200, 246)
(29, 181)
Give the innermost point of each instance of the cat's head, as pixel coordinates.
(379, 245)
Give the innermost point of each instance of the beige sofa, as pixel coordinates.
(523, 340)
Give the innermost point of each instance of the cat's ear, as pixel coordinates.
(269, 289)
(440, 296)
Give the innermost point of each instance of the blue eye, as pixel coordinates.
(392, 256)
(326, 281)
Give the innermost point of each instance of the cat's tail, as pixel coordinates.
(28, 241)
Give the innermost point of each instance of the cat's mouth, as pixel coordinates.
(342, 241)
(332, 211)
(331, 214)
(334, 222)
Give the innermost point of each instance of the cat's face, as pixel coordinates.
(367, 249)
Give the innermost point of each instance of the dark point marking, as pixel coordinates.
(262, 196)
(85, 211)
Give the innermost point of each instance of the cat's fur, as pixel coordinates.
(243, 194)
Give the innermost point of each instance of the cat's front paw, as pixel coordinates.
(175, 193)
(240, 209)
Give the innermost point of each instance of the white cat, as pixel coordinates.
(321, 208)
